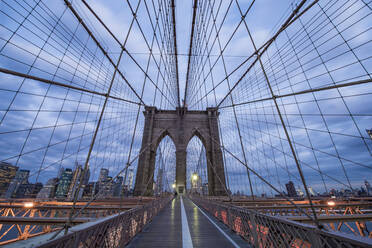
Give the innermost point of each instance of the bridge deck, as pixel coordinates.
(170, 229)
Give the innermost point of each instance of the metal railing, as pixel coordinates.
(262, 230)
(22, 219)
(112, 231)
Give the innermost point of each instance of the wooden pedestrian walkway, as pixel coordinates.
(183, 224)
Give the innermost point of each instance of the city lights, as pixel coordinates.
(195, 177)
(331, 203)
(174, 186)
(28, 204)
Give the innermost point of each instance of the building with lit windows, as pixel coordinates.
(20, 178)
(49, 190)
(7, 174)
(28, 190)
(76, 180)
(64, 183)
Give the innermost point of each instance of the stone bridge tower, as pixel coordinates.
(180, 125)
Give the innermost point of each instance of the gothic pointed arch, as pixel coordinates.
(164, 169)
(197, 165)
(180, 125)
(201, 135)
(160, 137)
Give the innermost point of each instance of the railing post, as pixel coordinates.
(76, 240)
(254, 228)
(228, 213)
(315, 238)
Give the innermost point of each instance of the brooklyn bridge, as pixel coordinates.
(198, 123)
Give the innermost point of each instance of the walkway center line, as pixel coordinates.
(218, 228)
(186, 236)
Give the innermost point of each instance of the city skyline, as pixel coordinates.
(66, 182)
(14, 183)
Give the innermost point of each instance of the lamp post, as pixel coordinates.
(194, 181)
(195, 177)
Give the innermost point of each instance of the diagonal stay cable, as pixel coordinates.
(142, 32)
(294, 16)
(124, 48)
(283, 123)
(175, 50)
(223, 49)
(290, 20)
(263, 179)
(116, 66)
(69, 5)
(195, 5)
(142, 92)
(101, 191)
(234, 110)
(224, 18)
(333, 86)
(52, 82)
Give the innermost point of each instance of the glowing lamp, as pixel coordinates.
(28, 204)
(331, 203)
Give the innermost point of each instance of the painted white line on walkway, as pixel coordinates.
(218, 228)
(186, 236)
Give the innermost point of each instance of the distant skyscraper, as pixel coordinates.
(86, 176)
(23, 176)
(130, 178)
(106, 188)
(48, 191)
(36, 189)
(311, 191)
(103, 174)
(20, 178)
(60, 172)
(118, 185)
(333, 192)
(299, 192)
(7, 173)
(64, 183)
(90, 190)
(291, 191)
(76, 180)
(105, 183)
(85, 182)
(368, 187)
(28, 190)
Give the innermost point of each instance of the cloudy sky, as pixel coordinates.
(44, 127)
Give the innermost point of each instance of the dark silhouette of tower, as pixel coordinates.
(291, 191)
